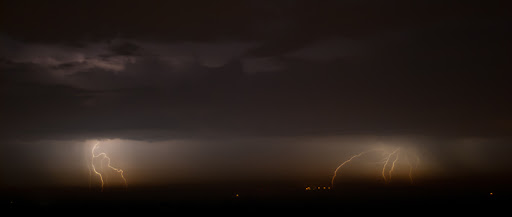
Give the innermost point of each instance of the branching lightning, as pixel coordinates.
(92, 164)
(390, 158)
(103, 157)
(386, 164)
(397, 151)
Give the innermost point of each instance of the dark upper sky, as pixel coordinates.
(144, 68)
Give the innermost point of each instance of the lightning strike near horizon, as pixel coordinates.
(392, 158)
(386, 164)
(394, 162)
(120, 171)
(345, 162)
(103, 156)
(408, 160)
(415, 167)
(410, 168)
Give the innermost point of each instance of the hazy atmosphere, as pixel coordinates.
(254, 91)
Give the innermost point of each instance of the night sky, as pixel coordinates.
(238, 91)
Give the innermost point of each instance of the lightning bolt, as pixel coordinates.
(390, 162)
(93, 156)
(120, 171)
(394, 162)
(103, 157)
(411, 167)
(345, 162)
(386, 164)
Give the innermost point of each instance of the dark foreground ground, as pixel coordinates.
(250, 199)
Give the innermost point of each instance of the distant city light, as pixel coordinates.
(308, 188)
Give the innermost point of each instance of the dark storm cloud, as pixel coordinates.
(125, 48)
(274, 88)
(251, 67)
(152, 93)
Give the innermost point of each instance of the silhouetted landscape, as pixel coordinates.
(264, 197)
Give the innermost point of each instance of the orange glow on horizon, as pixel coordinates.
(103, 157)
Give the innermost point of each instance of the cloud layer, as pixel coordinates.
(262, 69)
